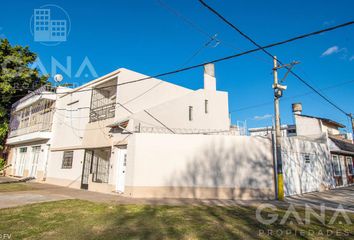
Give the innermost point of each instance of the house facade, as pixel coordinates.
(88, 141)
(31, 133)
(329, 164)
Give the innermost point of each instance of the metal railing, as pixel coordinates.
(145, 129)
(44, 88)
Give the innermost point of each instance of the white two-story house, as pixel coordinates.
(89, 143)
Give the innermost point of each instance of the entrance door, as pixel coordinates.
(34, 163)
(121, 166)
(86, 169)
(21, 161)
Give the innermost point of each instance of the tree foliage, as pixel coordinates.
(17, 79)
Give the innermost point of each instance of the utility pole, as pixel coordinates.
(278, 93)
(351, 116)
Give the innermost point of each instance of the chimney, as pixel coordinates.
(209, 77)
(297, 108)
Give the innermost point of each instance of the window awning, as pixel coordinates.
(120, 123)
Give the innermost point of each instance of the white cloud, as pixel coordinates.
(334, 50)
(263, 117)
(330, 51)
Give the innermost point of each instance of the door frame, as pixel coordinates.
(122, 154)
(33, 155)
(85, 185)
(21, 161)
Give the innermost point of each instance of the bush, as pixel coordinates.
(2, 163)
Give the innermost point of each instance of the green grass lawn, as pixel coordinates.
(76, 219)
(13, 187)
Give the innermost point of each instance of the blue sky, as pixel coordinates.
(146, 37)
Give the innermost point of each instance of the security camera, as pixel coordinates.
(278, 86)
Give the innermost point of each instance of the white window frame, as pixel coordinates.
(340, 167)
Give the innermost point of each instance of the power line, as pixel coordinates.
(272, 56)
(159, 121)
(197, 27)
(291, 97)
(183, 18)
(221, 59)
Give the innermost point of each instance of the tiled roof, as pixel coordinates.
(343, 145)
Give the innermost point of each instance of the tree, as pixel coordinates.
(17, 79)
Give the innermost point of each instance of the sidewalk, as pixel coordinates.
(42, 192)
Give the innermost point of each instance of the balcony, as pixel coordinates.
(36, 117)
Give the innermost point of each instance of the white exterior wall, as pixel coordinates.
(69, 125)
(167, 102)
(301, 177)
(238, 163)
(310, 127)
(66, 177)
(144, 94)
(175, 113)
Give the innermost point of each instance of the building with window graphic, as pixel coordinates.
(46, 29)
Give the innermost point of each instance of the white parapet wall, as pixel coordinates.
(307, 166)
(199, 166)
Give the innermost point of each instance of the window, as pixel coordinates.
(100, 165)
(206, 106)
(23, 150)
(291, 131)
(336, 166)
(350, 166)
(307, 158)
(103, 101)
(190, 113)
(67, 159)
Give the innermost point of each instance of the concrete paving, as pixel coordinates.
(4, 179)
(14, 199)
(331, 199)
(41, 192)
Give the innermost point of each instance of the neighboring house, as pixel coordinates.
(286, 131)
(318, 130)
(343, 160)
(30, 133)
(340, 145)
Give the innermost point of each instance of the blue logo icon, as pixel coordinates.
(47, 28)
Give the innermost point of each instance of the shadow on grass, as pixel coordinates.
(75, 219)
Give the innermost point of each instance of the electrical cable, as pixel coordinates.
(272, 56)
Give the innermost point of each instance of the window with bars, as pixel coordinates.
(103, 102)
(100, 165)
(67, 159)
